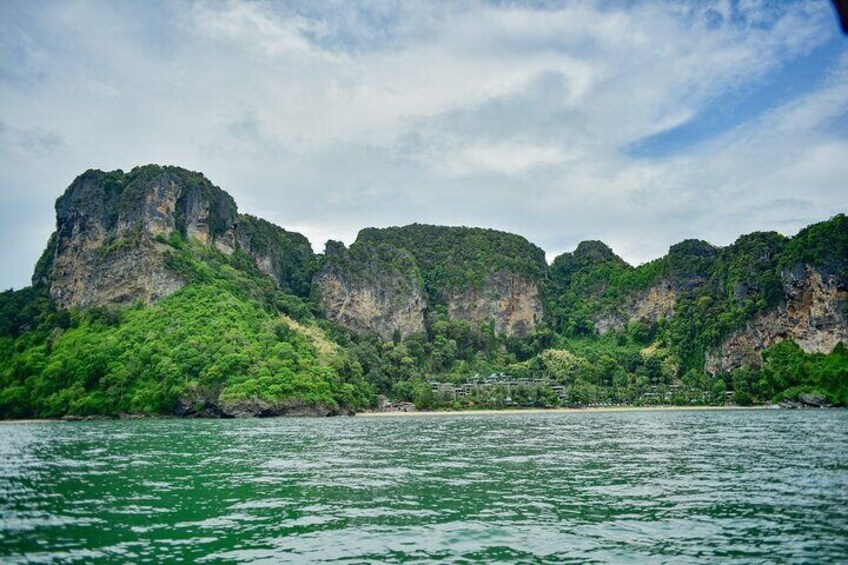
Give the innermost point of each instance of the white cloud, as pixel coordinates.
(329, 117)
(253, 25)
(503, 158)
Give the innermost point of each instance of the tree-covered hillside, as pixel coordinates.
(453, 258)
(716, 292)
(229, 343)
(154, 296)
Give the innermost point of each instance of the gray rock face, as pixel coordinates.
(106, 249)
(197, 404)
(260, 409)
(815, 316)
(391, 275)
(371, 288)
(807, 400)
(285, 256)
(511, 301)
(650, 306)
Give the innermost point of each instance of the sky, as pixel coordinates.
(639, 123)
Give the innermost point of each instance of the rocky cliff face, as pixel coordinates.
(649, 306)
(371, 288)
(814, 315)
(390, 277)
(108, 247)
(512, 302)
(285, 256)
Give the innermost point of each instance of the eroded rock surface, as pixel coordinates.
(106, 249)
(112, 229)
(371, 288)
(285, 256)
(649, 306)
(510, 301)
(815, 316)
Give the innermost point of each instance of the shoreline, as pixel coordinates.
(31, 421)
(587, 410)
(470, 412)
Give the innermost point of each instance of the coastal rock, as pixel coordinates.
(814, 315)
(111, 228)
(198, 404)
(814, 400)
(285, 256)
(807, 400)
(512, 302)
(261, 409)
(479, 275)
(108, 227)
(371, 288)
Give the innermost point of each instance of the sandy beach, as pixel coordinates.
(592, 409)
(510, 411)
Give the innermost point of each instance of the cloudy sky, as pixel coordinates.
(639, 123)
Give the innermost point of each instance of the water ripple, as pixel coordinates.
(677, 487)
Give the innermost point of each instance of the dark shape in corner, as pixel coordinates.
(842, 11)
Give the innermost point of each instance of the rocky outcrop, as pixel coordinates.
(371, 288)
(390, 276)
(112, 228)
(114, 234)
(257, 408)
(814, 315)
(511, 302)
(107, 226)
(685, 269)
(285, 256)
(200, 404)
(807, 400)
(650, 306)
(377, 288)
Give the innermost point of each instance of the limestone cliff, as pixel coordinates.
(111, 228)
(595, 282)
(285, 256)
(684, 270)
(114, 232)
(509, 301)
(482, 276)
(814, 315)
(371, 288)
(107, 224)
(650, 306)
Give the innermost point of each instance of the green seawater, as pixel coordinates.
(687, 486)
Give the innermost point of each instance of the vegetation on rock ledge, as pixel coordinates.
(223, 345)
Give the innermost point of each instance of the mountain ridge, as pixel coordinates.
(403, 304)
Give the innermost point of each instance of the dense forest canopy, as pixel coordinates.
(453, 258)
